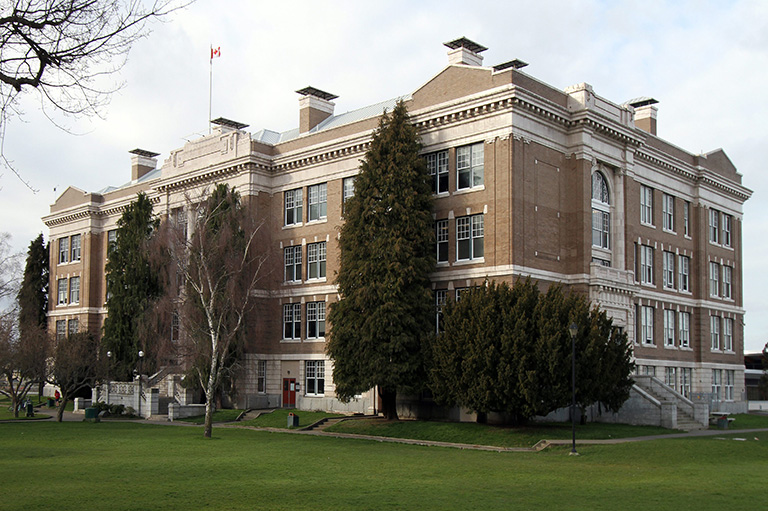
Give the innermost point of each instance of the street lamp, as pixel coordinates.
(109, 372)
(573, 330)
(138, 377)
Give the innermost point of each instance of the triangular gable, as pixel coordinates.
(454, 82)
(718, 161)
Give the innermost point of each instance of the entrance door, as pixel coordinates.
(289, 392)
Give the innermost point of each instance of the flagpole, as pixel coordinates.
(210, 89)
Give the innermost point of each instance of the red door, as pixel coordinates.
(289, 392)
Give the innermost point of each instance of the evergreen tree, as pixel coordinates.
(379, 329)
(132, 285)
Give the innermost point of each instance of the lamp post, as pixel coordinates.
(573, 330)
(138, 377)
(109, 367)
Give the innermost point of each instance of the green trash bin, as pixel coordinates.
(91, 413)
(293, 420)
(51, 402)
(722, 422)
(30, 409)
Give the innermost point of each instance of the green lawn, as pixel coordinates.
(7, 414)
(133, 466)
(279, 418)
(218, 416)
(473, 433)
(747, 421)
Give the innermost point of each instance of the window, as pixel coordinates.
(315, 320)
(469, 237)
(292, 321)
(687, 218)
(62, 287)
(727, 279)
(348, 190)
(63, 250)
(292, 257)
(318, 202)
(441, 235)
(670, 377)
(73, 326)
(316, 260)
(714, 279)
(714, 332)
(469, 166)
(437, 164)
(728, 385)
(646, 205)
(112, 240)
(261, 376)
(685, 269)
(75, 247)
(601, 217)
(669, 328)
(646, 264)
(646, 324)
(440, 297)
(293, 206)
(669, 270)
(685, 381)
(459, 291)
(61, 329)
(668, 212)
(684, 318)
(717, 378)
(74, 290)
(727, 334)
(315, 371)
(726, 221)
(180, 221)
(714, 226)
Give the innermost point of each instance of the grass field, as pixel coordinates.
(133, 466)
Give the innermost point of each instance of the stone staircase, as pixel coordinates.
(669, 398)
(324, 423)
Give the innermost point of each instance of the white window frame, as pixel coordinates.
(314, 377)
(668, 212)
(315, 320)
(74, 290)
(62, 290)
(442, 241)
(470, 165)
(261, 376)
(437, 165)
(293, 207)
(61, 329)
(685, 381)
(470, 230)
(601, 212)
(727, 334)
(684, 283)
(730, 376)
(669, 328)
(669, 270)
(717, 378)
(646, 205)
(348, 188)
(73, 326)
(441, 296)
(726, 224)
(646, 264)
(670, 377)
(646, 325)
(63, 250)
(714, 226)
(727, 290)
(292, 263)
(316, 260)
(75, 247)
(714, 333)
(292, 321)
(318, 202)
(714, 279)
(687, 218)
(684, 322)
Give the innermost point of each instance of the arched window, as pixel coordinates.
(601, 215)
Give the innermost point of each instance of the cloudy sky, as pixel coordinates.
(706, 62)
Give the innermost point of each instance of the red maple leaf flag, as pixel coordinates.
(215, 52)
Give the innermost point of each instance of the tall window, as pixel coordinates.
(292, 321)
(349, 188)
(687, 218)
(714, 332)
(668, 211)
(669, 270)
(685, 381)
(112, 240)
(294, 203)
(61, 329)
(75, 242)
(714, 279)
(261, 376)
(437, 164)
(717, 378)
(441, 235)
(727, 334)
(315, 377)
(646, 205)
(469, 237)
(669, 327)
(726, 220)
(292, 257)
(714, 226)
(440, 297)
(316, 260)
(601, 217)
(685, 269)
(728, 385)
(62, 288)
(318, 201)
(727, 281)
(469, 166)
(684, 318)
(315, 320)
(670, 377)
(646, 324)
(73, 326)
(63, 250)
(74, 290)
(646, 264)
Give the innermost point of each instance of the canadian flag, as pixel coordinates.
(215, 52)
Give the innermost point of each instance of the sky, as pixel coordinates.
(706, 62)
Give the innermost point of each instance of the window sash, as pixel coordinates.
(727, 334)
(469, 166)
(293, 206)
(318, 201)
(646, 264)
(646, 324)
(315, 377)
(669, 270)
(686, 218)
(669, 212)
(726, 221)
(315, 320)
(292, 256)
(74, 290)
(685, 329)
(669, 327)
(714, 225)
(437, 165)
(685, 266)
(62, 286)
(601, 229)
(75, 247)
(714, 279)
(261, 376)
(63, 250)
(646, 205)
(714, 332)
(441, 235)
(316, 259)
(727, 284)
(292, 321)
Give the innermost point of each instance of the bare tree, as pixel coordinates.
(10, 272)
(219, 263)
(22, 359)
(76, 365)
(64, 49)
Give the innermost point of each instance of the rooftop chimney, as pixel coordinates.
(645, 113)
(227, 125)
(142, 162)
(464, 51)
(315, 106)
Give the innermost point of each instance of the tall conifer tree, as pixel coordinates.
(379, 328)
(132, 285)
(33, 306)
